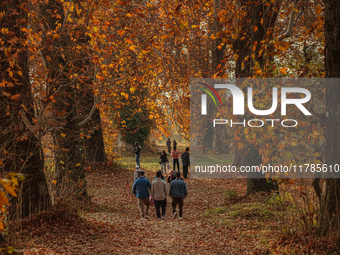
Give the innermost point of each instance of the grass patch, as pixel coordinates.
(246, 211)
(230, 194)
(252, 210)
(219, 210)
(210, 159)
(149, 160)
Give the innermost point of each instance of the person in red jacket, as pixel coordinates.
(175, 155)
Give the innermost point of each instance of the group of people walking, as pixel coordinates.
(175, 154)
(142, 188)
(158, 190)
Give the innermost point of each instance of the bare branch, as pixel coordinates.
(157, 51)
(292, 22)
(52, 129)
(26, 121)
(89, 117)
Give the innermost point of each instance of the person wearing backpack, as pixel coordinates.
(159, 191)
(141, 189)
(178, 191)
(137, 152)
(185, 162)
(175, 155)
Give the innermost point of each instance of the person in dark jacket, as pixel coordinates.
(137, 152)
(178, 191)
(164, 161)
(174, 143)
(172, 176)
(140, 189)
(186, 162)
(168, 144)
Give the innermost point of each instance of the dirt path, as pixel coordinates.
(113, 226)
(192, 235)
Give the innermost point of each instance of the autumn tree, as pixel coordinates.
(66, 61)
(329, 211)
(19, 146)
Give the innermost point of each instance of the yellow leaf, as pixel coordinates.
(63, 135)
(1, 225)
(283, 70)
(54, 182)
(9, 188)
(78, 164)
(62, 162)
(3, 198)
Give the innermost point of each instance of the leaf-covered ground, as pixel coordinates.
(111, 224)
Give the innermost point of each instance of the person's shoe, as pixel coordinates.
(180, 218)
(163, 218)
(175, 215)
(146, 216)
(158, 218)
(142, 218)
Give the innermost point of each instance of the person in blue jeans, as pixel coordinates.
(140, 189)
(137, 152)
(159, 191)
(178, 191)
(164, 161)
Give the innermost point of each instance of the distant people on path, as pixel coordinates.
(162, 177)
(159, 191)
(178, 191)
(186, 162)
(141, 189)
(174, 144)
(136, 175)
(175, 155)
(164, 161)
(137, 152)
(168, 144)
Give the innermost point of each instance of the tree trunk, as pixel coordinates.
(93, 142)
(94, 148)
(19, 146)
(254, 33)
(62, 60)
(329, 211)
